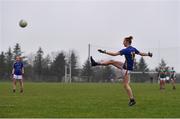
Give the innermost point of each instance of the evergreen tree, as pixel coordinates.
(87, 71)
(46, 65)
(58, 66)
(142, 65)
(17, 50)
(2, 65)
(74, 63)
(162, 63)
(9, 62)
(136, 68)
(38, 63)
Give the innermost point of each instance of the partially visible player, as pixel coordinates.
(173, 77)
(162, 77)
(17, 73)
(167, 70)
(129, 52)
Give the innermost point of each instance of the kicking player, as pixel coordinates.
(173, 77)
(17, 73)
(129, 52)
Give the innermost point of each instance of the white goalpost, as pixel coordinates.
(68, 71)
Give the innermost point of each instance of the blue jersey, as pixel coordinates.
(18, 66)
(129, 54)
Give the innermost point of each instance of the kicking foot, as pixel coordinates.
(132, 102)
(93, 62)
(174, 88)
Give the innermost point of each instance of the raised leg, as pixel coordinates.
(117, 64)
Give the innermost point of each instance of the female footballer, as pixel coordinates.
(17, 73)
(162, 77)
(173, 77)
(129, 53)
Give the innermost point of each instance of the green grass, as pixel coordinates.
(88, 100)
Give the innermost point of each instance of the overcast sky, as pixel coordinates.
(71, 24)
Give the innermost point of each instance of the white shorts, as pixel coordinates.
(173, 78)
(162, 79)
(18, 77)
(167, 77)
(124, 72)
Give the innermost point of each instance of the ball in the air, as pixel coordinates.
(22, 23)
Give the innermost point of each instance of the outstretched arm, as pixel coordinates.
(12, 71)
(145, 54)
(109, 53)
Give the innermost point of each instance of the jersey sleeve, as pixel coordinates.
(122, 52)
(136, 51)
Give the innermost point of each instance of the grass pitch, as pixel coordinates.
(88, 100)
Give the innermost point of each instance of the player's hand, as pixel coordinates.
(102, 51)
(150, 54)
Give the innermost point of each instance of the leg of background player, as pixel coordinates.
(21, 85)
(14, 85)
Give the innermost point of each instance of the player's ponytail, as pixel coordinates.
(129, 39)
